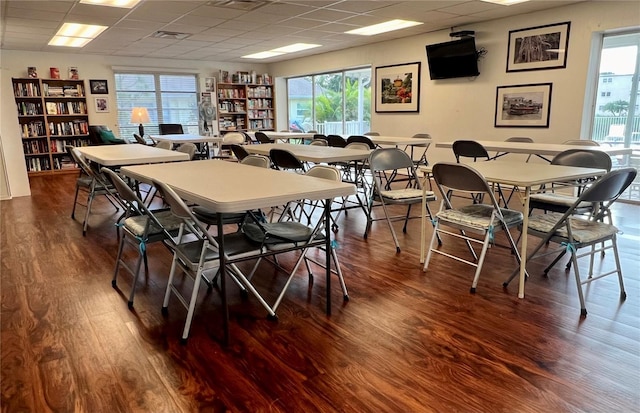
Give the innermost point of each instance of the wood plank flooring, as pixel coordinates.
(407, 341)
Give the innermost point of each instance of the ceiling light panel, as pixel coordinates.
(125, 4)
(76, 34)
(296, 47)
(505, 2)
(384, 27)
(262, 55)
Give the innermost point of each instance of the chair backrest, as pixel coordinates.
(319, 142)
(233, 138)
(358, 145)
(609, 187)
(361, 139)
(387, 159)
(523, 139)
(581, 142)
(188, 148)
(319, 136)
(583, 158)
(139, 139)
(312, 131)
(422, 136)
(124, 191)
(336, 141)
(370, 133)
(256, 160)
(239, 151)
(459, 177)
(262, 137)
(94, 134)
(81, 162)
(165, 145)
(325, 172)
(170, 128)
(283, 159)
(469, 149)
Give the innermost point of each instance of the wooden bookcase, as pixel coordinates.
(243, 107)
(52, 113)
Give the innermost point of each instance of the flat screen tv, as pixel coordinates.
(453, 59)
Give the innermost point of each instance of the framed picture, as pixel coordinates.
(523, 106)
(538, 48)
(99, 87)
(102, 105)
(209, 84)
(398, 88)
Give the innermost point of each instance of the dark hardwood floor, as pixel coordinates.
(407, 341)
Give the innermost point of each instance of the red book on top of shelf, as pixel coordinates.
(54, 72)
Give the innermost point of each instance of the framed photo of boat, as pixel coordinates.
(538, 48)
(398, 88)
(523, 106)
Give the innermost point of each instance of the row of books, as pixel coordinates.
(37, 164)
(261, 124)
(76, 127)
(63, 163)
(35, 146)
(33, 129)
(66, 108)
(28, 89)
(58, 145)
(261, 114)
(259, 92)
(29, 108)
(231, 123)
(224, 76)
(63, 91)
(259, 103)
(231, 94)
(229, 106)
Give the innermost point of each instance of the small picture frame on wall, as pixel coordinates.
(398, 88)
(538, 48)
(98, 87)
(523, 106)
(102, 105)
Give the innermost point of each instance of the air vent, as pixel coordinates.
(163, 34)
(246, 5)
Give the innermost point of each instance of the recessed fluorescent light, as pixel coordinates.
(76, 34)
(505, 2)
(125, 4)
(384, 27)
(262, 55)
(296, 47)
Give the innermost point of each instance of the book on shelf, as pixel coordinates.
(73, 73)
(52, 108)
(223, 77)
(54, 72)
(32, 72)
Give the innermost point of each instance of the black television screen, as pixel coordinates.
(453, 59)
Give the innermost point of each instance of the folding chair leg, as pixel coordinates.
(576, 272)
(431, 245)
(623, 293)
(167, 292)
(135, 281)
(393, 232)
(118, 258)
(85, 223)
(558, 258)
(192, 305)
(483, 254)
(75, 202)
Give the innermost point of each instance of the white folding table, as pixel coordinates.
(243, 188)
(523, 175)
(180, 138)
(133, 154)
(312, 153)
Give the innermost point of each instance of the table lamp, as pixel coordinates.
(140, 115)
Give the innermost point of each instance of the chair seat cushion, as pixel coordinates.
(137, 224)
(209, 217)
(583, 231)
(557, 199)
(278, 232)
(478, 216)
(406, 194)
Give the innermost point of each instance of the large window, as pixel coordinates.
(168, 98)
(331, 103)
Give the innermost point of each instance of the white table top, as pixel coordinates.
(551, 149)
(312, 153)
(273, 135)
(186, 137)
(232, 187)
(398, 140)
(133, 154)
(524, 174)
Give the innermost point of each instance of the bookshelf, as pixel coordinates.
(245, 106)
(52, 113)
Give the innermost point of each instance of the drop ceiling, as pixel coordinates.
(226, 30)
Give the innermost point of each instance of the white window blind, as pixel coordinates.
(169, 98)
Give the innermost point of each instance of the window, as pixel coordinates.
(168, 98)
(331, 103)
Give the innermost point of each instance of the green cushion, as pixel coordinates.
(107, 136)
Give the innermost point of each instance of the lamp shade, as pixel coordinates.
(139, 115)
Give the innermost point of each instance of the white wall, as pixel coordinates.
(465, 108)
(14, 64)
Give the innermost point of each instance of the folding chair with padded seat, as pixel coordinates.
(284, 160)
(141, 227)
(188, 148)
(361, 139)
(93, 183)
(482, 219)
(386, 166)
(573, 232)
(336, 141)
(239, 151)
(142, 141)
(164, 145)
(474, 150)
(199, 255)
(422, 160)
(262, 137)
(581, 142)
(260, 161)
